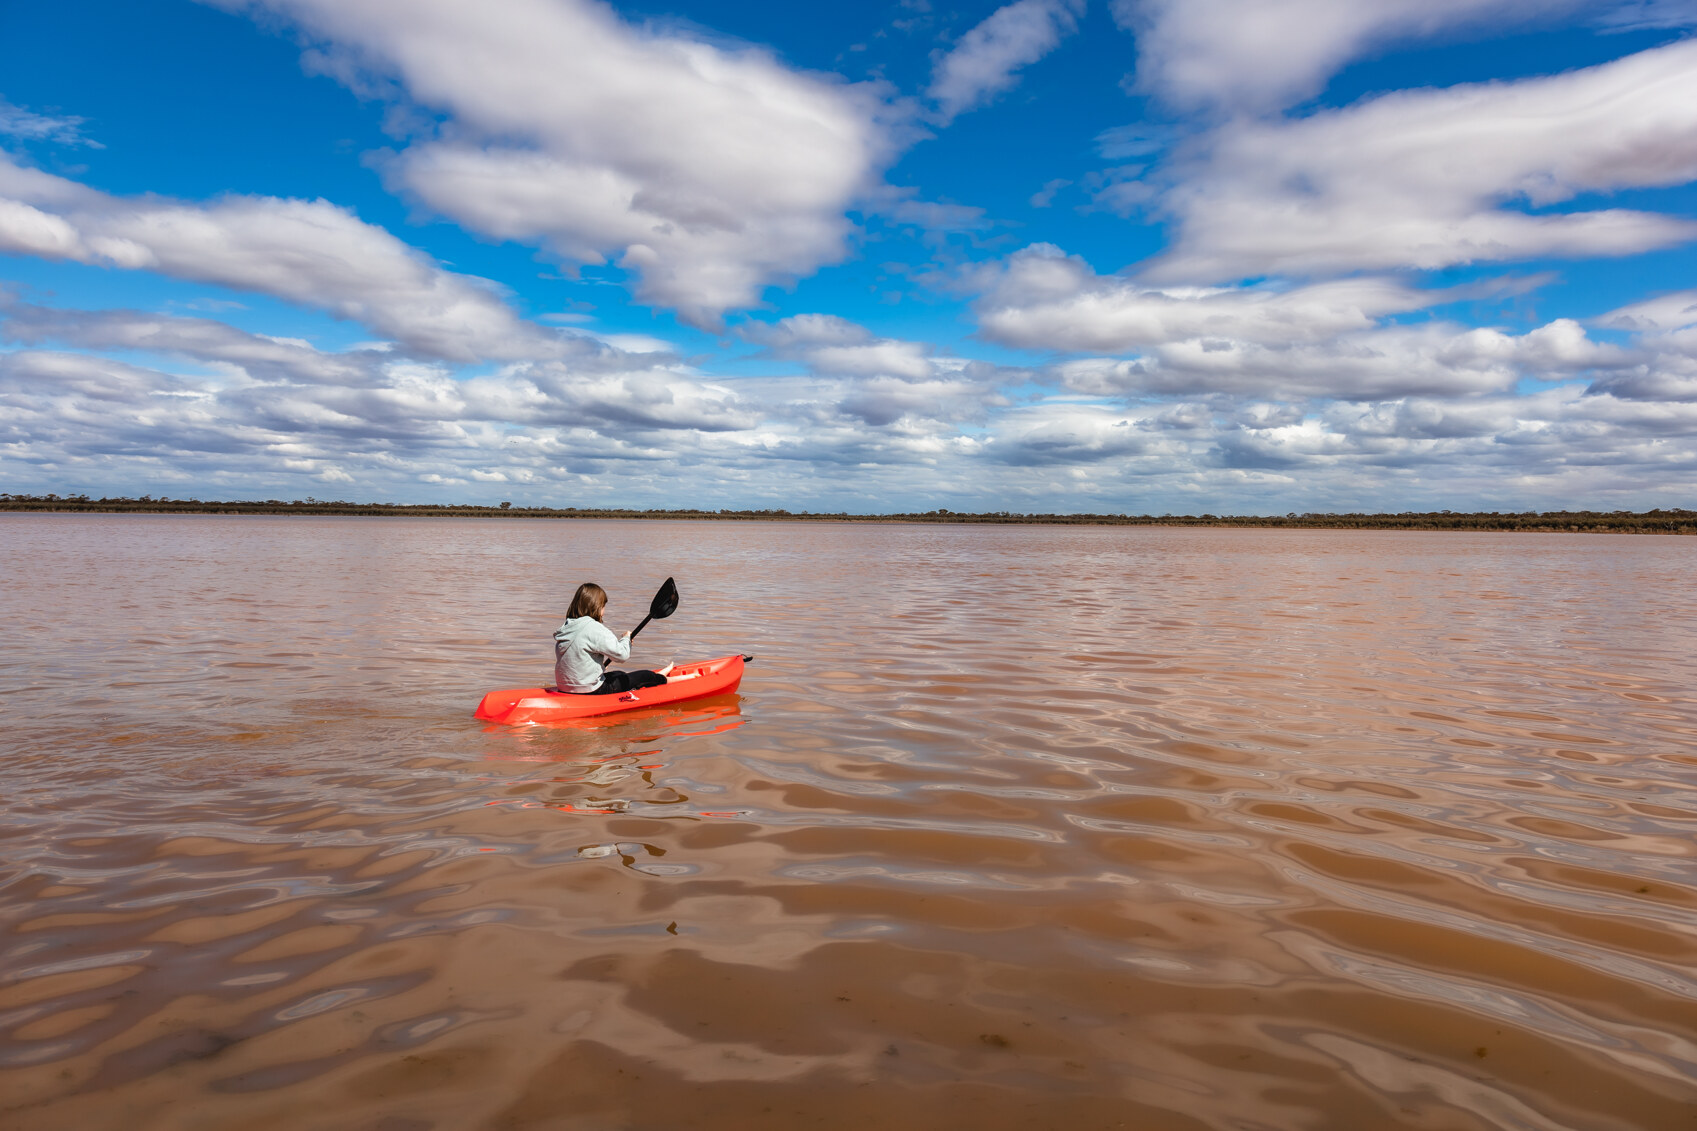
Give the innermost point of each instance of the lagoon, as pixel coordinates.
(1006, 827)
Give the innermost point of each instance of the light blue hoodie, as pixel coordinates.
(583, 647)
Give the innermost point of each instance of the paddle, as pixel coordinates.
(665, 603)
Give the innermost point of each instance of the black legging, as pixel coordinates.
(613, 683)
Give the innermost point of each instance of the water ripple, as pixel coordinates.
(1250, 830)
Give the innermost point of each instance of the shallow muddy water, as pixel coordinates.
(1006, 828)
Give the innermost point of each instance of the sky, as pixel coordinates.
(1108, 256)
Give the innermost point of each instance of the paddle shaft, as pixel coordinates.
(641, 626)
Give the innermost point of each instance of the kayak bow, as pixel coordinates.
(518, 706)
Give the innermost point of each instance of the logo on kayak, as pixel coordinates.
(628, 697)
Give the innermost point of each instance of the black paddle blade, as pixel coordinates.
(665, 602)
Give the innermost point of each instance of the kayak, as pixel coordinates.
(521, 705)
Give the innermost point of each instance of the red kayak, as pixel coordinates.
(523, 705)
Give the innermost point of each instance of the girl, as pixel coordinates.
(583, 647)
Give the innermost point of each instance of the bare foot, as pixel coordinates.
(667, 670)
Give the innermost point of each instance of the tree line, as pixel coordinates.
(1599, 522)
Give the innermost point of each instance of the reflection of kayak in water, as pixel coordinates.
(545, 705)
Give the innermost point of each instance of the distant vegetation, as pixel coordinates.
(1589, 522)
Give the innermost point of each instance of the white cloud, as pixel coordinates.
(1432, 178)
(883, 380)
(614, 403)
(1498, 452)
(26, 125)
(1070, 435)
(545, 434)
(1661, 361)
(534, 428)
(308, 252)
(1547, 434)
(267, 415)
(1431, 359)
(1252, 56)
(1669, 377)
(898, 205)
(202, 339)
(1045, 299)
(1322, 340)
(1045, 196)
(708, 171)
(944, 400)
(836, 346)
(983, 63)
(1674, 311)
(52, 374)
(273, 409)
(1629, 15)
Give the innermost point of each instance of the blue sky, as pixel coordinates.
(1054, 255)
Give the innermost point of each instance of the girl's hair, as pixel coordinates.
(589, 600)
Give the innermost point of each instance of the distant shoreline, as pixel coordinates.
(1583, 522)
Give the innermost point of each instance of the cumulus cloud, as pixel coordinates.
(202, 339)
(308, 252)
(1042, 298)
(946, 399)
(658, 398)
(263, 410)
(540, 432)
(1560, 435)
(1674, 311)
(1075, 436)
(1433, 178)
(709, 171)
(1661, 361)
(887, 379)
(983, 63)
(1508, 451)
(52, 374)
(1545, 449)
(1321, 340)
(833, 345)
(1259, 55)
(532, 430)
(277, 409)
(1431, 359)
(1669, 378)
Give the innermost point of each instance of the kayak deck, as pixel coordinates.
(521, 705)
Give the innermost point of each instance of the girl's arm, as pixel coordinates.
(613, 647)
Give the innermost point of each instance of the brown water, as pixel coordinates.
(1006, 828)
